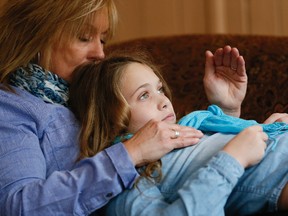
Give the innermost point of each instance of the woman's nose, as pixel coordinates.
(97, 52)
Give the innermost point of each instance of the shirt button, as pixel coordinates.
(109, 195)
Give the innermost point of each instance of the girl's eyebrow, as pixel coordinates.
(143, 86)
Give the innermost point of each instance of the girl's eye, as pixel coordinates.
(161, 90)
(144, 96)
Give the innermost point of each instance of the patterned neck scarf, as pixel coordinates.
(43, 84)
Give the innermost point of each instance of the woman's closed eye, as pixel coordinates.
(103, 41)
(85, 38)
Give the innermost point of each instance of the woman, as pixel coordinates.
(196, 180)
(41, 42)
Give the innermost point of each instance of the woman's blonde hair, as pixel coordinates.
(97, 101)
(30, 26)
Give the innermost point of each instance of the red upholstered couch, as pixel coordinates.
(183, 59)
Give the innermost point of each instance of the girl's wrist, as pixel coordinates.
(232, 112)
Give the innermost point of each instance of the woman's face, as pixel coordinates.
(143, 91)
(66, 57)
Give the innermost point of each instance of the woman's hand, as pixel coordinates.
(156, 139)
(248, 147)
(225, 79)
(277, 117)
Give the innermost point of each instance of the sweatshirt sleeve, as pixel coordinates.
(204, 193)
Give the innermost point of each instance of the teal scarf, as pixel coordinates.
(43, 84)
(215, 120)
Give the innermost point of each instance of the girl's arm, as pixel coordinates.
(204, 193)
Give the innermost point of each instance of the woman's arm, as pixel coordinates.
(25, 188)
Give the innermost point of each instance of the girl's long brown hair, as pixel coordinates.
(97, 102)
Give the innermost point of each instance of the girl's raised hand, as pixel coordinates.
(225, 79)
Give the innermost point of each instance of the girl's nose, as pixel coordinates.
(163, 103)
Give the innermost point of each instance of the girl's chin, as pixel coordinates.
(170, 121)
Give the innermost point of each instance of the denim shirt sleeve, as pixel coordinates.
(109, 174)
(87, 187)
(26, 190)
(204, 193)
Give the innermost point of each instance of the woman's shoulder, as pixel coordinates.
(26, 120)
(23, 106)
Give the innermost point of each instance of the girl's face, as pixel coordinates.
(144, 93)
(66, 57)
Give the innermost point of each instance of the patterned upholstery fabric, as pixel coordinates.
(183, 59)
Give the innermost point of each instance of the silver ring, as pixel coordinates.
(177, 134)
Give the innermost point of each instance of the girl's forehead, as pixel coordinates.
(137, 71)
(136, 75)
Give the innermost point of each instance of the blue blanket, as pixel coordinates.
(215, 120)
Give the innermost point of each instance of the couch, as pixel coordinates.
(183, 58)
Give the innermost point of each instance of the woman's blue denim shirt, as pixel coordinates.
(38, 170)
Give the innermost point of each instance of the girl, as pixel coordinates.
(196, 180)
